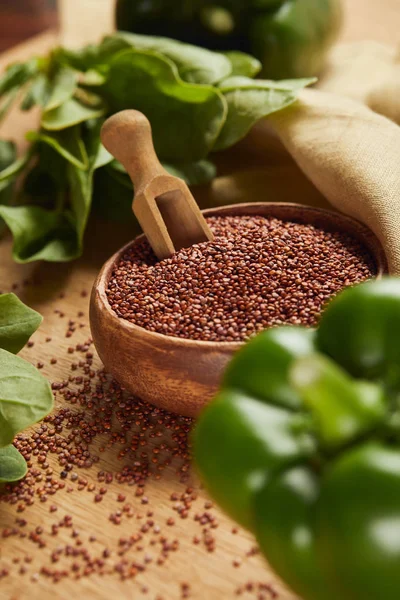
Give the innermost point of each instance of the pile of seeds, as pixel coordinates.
(128, 463)
(258, 272)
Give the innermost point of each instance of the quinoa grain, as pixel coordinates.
(258, 272)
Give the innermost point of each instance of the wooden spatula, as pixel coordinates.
(163, 204)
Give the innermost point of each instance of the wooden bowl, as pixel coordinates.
(182, 375)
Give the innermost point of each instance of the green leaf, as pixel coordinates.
(92, 56)
(25, 396)
(186, 118)
(81, 185)
(68, 114)
(39, 187)
(196, 173)
(40, 234)
(62, 88)
(7, 157)
(67, 142)
(17, 323)
(243, 64)
(7, 103)
(81, 182)
(37, 92)
(45, 183)
(88, 98)
(12, 465)
(17, 74)
(91, 78)
(15, 167)
(98, 155)
(7, 153)
(6, 193)
(112, 197)
(195, 64)
(251, 100)
(103, 158)
(57, 235)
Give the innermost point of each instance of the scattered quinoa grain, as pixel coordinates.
(92, 411)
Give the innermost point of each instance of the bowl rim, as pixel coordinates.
(364, 235)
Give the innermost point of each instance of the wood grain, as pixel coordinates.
(211, 575)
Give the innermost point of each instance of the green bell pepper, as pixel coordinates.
(290, 37)
(302, 447)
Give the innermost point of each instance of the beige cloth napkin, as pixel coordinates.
(352, 155)
(340, 149)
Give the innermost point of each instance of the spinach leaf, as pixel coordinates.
(13, 169)
(68, 114)
(186, 118)
(112, 197)
(6, 192)
(103, 157)
(12, 465)
(243, 64)
(88, 98)
(67, 142)
(17, 74)
(25, 396)
(38, 92)
(40, 188)
(195, 64)
(7, 153)
(40, 234)
(92, 56)
(196, 173)
(251, 100)
(63, 88)
(91, 78)
(7, 157)
(98, 155)
(197, 101)
(56, 234)
(53, 163)
(8, 100)
(81, 182)
(17, 323)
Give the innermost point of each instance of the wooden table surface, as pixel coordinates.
(59, 292)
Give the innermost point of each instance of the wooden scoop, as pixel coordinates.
(163, 204)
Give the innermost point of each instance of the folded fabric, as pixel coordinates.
(368, 72)
(330, 147)
(352, 156)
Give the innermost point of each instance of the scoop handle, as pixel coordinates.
(127, 136)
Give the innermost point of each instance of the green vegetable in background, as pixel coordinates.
(7, 157)
(197, 101)
(25, 395)
(291, 38)
(302, 446)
